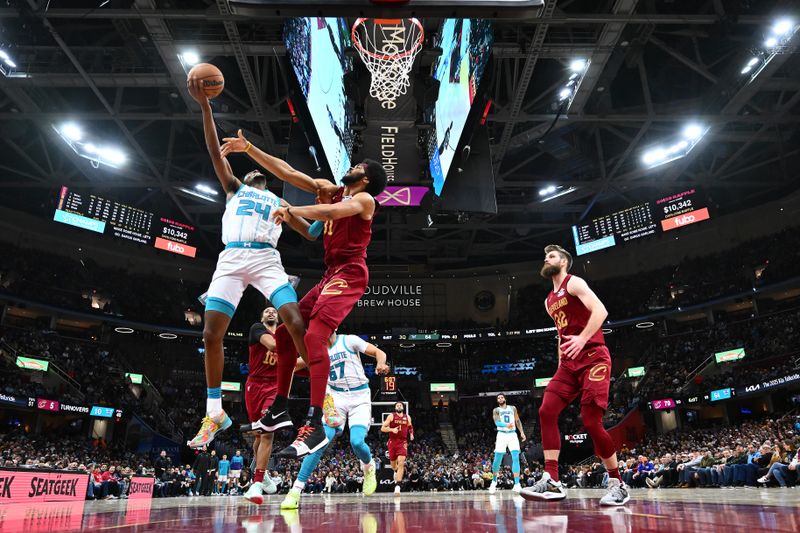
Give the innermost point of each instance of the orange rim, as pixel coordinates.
(387, 57)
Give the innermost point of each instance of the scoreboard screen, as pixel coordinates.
(671, 212)
(109, 217)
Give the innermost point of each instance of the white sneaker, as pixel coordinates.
(763, 479)
(397, 489)
(255, 494)
(617, 493)
(517, 488)
(544, 489)
(493, 487)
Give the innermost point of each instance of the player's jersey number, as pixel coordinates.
(247, 207)
(507, 418)
(270, 359)
(340, 367)
(560, 318)
(328, 227)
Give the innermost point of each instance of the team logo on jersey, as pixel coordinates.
(560, 293)
(598, 372)
(334, 287)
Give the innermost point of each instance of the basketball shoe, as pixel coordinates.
(209, 429)
(291, 501)
(617, 493)
(269, 423)
(544, 489)
(370, 480)
(255, 494)
(493, 487)
(309, 439)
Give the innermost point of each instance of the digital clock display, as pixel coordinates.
(109, 217)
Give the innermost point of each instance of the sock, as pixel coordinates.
(214, 401)
(515, 465)
(258, 477)
(360, 448)
(551, 467)
(319, 363)
(287, 358)
(299, 485)
(498, 460)
(280, 404)
(315, 415)
(613, 473)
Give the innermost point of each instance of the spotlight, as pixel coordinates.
(72, 131)
(653, 156)
(578, 65)
(693, 132)
(564, 94)
(112, 156)
(771, 42)
(782, 26)
(752, 62)
(190, 57)
(206, 189)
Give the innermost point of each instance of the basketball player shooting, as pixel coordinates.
(249, 258)
(398, 426)
(344, 218)
(584, 367)
(506, 418)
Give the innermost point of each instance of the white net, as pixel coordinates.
(388, 49)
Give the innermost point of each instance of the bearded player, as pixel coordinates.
(344, 217)
(398, 426)
(348, 400)
(506, 418)
(249, 258)
(584, 368)
(259, 393)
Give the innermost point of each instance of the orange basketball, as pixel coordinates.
(210, 78)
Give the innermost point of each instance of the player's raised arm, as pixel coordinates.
(518, 423)
(362, 205)
(308, 231)
(385, 426)
(373, 351)
(280, 168)
(230, 183)
(573, 344)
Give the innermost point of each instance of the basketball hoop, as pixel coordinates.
(388, 48)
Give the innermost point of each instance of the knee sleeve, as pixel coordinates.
(552, 405)
(592, 418)
(357, 435)
(515, 461)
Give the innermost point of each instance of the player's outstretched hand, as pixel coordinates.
(572, 346)
(279, 215)
(234, 144)
(196, 92)
(522, 437)
(382, 369)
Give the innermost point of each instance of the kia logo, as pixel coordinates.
(387, 481)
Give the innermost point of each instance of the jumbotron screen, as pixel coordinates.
(671, 212)
(109, 217)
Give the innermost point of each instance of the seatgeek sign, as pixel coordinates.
(21, 486)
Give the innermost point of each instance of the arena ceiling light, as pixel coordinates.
(645, 325)
(607, 331)
(123, 330)
(578, 68)
(680, 146)
(205, 189)
(776, 41)
(8, 67)
(202, 194)
(75, 137)
(188, 59)
(168, 336)
(553, 192)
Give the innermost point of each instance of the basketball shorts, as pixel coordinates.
(354, 407)
(239, 267)
(258, 396)
(397, 448)
(223, 478)
(332, 299)
(506, 441)
(235, 474)
(588, 375)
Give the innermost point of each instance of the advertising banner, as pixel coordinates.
(25, 486)
(141, 488)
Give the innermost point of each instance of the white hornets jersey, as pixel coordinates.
(346, 369)
(506, 417)
(247, 217)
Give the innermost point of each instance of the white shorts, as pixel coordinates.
(223, 479)
(239, 267)
(355, 407)
(235, 474)
(506, 440)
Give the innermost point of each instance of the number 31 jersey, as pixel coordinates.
(247, 217)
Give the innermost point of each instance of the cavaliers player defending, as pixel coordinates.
(584, 367)
(259, 393)
(398, 426)
(344, 217)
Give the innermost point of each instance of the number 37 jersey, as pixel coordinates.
(248, 217)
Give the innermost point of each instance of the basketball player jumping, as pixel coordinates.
(249, 258)
(347, 214)
(584, 368)
(506, 418)
(398, 426)
(259, 393)
(347, 400)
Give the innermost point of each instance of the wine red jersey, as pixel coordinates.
(402, 422)
(346, 239)
(570, 315)
(263, 364)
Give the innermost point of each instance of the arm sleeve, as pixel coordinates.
(355, 344)
(256, 331)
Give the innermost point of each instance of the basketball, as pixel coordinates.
(210, 77)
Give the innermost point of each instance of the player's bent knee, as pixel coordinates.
(213, 335)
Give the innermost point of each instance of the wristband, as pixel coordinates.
(247, 148)
(315, 230)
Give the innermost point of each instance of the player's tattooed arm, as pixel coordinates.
(518, 423)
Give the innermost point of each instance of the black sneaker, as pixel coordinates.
(269, 423)
(309, 439)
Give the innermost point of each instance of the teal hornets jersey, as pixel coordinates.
(248, 217)
(507, 417)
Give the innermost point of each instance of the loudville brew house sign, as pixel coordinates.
(395, 295)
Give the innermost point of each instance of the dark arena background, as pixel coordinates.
(657, 141)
